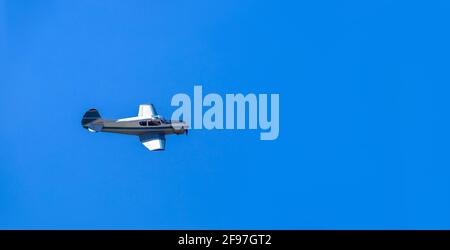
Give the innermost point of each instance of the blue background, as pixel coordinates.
(364, 121)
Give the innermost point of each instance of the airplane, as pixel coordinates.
(148, 125)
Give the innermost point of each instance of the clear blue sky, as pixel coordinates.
(364, 114)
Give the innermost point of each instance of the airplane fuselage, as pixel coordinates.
(139, 127)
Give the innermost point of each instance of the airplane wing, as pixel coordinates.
(146, 111)
(153, 141)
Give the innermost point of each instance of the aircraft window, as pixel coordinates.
(154, 123)
(143, 123)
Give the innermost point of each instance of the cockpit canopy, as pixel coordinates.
(154, 122)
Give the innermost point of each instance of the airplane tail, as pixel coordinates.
(90, 116)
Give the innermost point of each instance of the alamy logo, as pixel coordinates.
(235, 111)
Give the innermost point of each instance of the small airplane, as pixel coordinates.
(148, 125)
